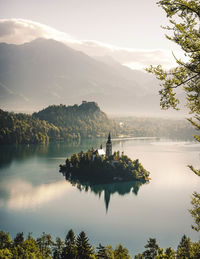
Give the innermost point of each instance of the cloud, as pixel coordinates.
(19, 31)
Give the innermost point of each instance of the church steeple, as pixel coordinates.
(109, 146)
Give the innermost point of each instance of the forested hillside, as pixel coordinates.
(24, 129)
(61, 122)
(55, 123)
(87, 119)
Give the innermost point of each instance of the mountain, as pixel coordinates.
(42, 72)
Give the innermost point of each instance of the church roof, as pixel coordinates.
(109, 139)
(101, 152)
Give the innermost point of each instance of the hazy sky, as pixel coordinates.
(123, 23)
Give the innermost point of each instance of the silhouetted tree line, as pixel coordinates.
(91, 167)
(78, 247)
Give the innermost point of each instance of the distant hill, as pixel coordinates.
(42, 72)
(56, 122)
(24, 129)
(87, 119)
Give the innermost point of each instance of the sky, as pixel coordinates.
(128, 24)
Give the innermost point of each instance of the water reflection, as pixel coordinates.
(9, 153)
(20, 194)
(122, 188)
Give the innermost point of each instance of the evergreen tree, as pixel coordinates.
(5, 240)
(169, 253)
(84, 249)
(45, 243)
(18, 240)
(58, 248)
(105, 252)
(139, 256)
(184, 248)
(70, 251)
(152, 249)
(121, 252)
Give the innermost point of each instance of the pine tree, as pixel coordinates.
(121, 253)
(103, 252)
(184, 248)
(84, 249)
(152, 249)
(18, 240)
(70, 251)
(58, 248)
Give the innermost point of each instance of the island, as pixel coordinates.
(98, 167)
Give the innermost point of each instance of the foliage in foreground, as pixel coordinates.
(78, 247)
(184, 18)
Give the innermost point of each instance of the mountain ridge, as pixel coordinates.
(43, 71)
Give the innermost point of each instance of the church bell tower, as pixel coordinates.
(109, 146)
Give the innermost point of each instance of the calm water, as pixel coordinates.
(35, 197)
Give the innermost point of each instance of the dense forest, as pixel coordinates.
(86, 119)
(72, 123)
(55, 123)
(155, 127)
(94, 168)
(24, 129)
(78, 247)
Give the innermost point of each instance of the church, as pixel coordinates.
(101, 152)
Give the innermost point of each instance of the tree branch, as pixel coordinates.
(184, 82)
(182, 5)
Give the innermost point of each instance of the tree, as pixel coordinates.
(184, 248)
(84, 249)
(101, 252)
(195, 212)
(105, 252)
(170, 253)
(5, 240)
(58, 248)
(152, 249)
(5, 254)
(184, 17)
(69, 251)
(121, 252)
(18, 240)
(45, 243)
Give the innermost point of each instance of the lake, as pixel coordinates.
(35, 197)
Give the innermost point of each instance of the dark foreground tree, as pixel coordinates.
(84, 249)
(5, 240)
(152, 249)
(58, 248)
(101, 252)
(18, 240)
(184, 17)
(70, 251)
(45, 243)
(121, 252)
(184, 248)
